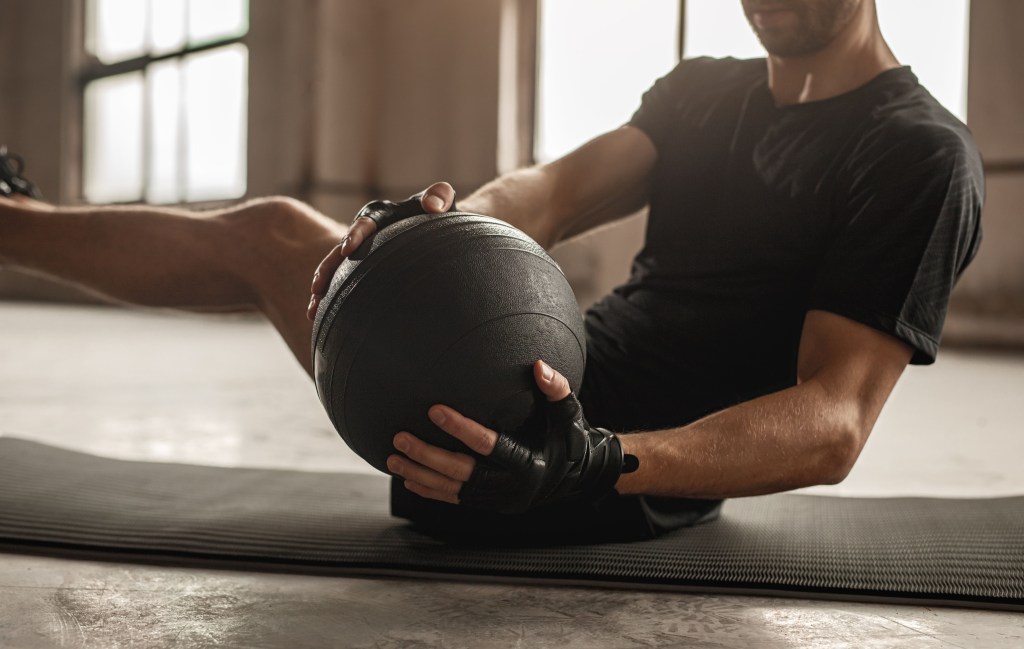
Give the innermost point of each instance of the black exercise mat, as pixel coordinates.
(963, 552)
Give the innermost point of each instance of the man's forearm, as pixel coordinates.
(605, 179)
(523, 198)
(794, 438)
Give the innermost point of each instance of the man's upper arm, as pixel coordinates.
(857, 366)
(606, 179)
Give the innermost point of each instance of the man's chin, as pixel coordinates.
(787, 45)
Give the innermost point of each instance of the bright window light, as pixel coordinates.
(118, 30)
(167, 31)
(718, 28)
(596, 58)
(933, 42)
(216, 88)
(113, 135)
(174, 128)
(163, 85)
(212, 19)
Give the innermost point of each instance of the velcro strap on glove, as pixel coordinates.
(577, 461)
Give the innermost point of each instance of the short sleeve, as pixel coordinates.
(906, 224)
(659, 106)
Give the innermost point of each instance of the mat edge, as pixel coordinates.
(186, 560)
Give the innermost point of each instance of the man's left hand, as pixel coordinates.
(577, 460)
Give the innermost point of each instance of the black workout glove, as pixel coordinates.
(577, 462)
(384, 213)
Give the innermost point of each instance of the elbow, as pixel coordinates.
(840, 454)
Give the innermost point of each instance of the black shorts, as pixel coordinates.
(614, 518)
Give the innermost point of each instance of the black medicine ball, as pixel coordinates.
(452, 309)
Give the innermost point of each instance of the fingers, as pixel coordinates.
(554, 386)
(322, 277)
(447, 464)
(357, 233)
(430, 471)
(477, 437)
(438, 198)
(427, 492)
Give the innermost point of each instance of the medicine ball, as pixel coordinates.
(451, 309)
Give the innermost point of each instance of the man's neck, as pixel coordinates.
(857, 55)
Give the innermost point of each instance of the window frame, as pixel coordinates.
(91, 69)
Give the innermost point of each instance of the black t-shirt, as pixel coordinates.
(866, 205)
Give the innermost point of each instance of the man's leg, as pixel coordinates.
(258, 255)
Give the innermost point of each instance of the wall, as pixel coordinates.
(989, 302)
(407, 94)
(7, 34)
(36, 85)
(36, 89)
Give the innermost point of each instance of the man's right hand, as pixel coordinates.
(437, 198)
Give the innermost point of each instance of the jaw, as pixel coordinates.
(802, 28)
(852, 57)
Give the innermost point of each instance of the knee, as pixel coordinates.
(280, 219)
(281, 231)
(267, 214)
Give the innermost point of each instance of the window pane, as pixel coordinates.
(717, 28)
(212, 19)
(166, 26)
(597, 57)
(163, 83)
(216, 91)
(113, 139)
(933, 42)
(117, 29)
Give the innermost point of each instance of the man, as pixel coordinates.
(809, 216)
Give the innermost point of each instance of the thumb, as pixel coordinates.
(438, 198)
(554, 386)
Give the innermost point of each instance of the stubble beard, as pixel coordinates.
(818, 22)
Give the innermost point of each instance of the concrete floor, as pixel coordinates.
(225, 392)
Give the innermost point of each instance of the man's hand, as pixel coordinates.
(576, 460)
(436, 199)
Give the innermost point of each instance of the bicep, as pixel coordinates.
(857, 365)
(605, 179)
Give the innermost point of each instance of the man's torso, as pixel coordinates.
(743, 210)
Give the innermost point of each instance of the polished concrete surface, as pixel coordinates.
(223, 391)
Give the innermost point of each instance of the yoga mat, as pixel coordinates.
(913, 550)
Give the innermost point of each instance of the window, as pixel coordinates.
(165, 100)
(932, 40)
(716, 28)
(596, 58)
